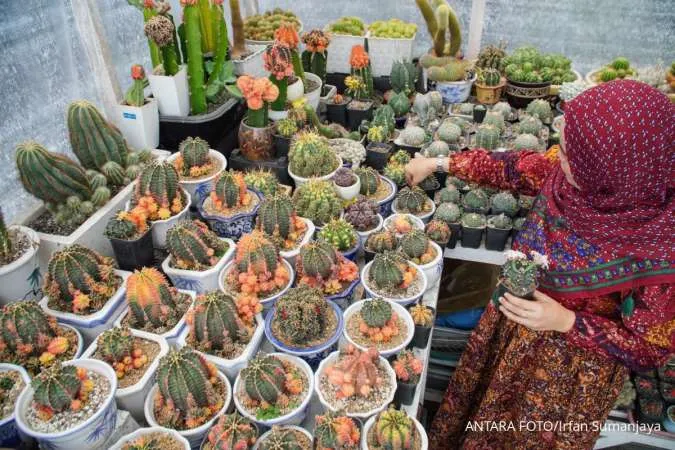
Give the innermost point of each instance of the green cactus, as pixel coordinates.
(441, 20)
(430, 183)
(403, 77)
(274, 217)
(195, 57)
(115, 344)
(376, 312)
(414, 244)
(487, 137)
(500, 222)
(462, 123)
(5, 240)
(195, 153)
(161, 30)
(473, 220)
(25, 325)
(317, 259)
(491, 77)
(215, 40)
(449, 194)
(541, 109)
(456, 182)
(386, 271)
(317, 201)
(495, 119)
(302, 315)
(529, 125)
(449, 132)
(232, 432)
(384, 116)
(476, 199)
(135, 95)
(381, 241)
(193, 246)
(453, 71)
(526, 142)
(256, 253)
(401, 157)
(396, 173)
(395, 430)
(520, 275)
(215, 325)
(621, 63)
(151, 301)
(412, 200)
(414, 136)
(339, 233)
(228, 189)
(263, 181)
(504, 202)
(264, 379)
(400, 103)
(56, 387)
(438, 231)
(376, 134)
(287, 127)
(159, 181)
(282, 439)
(502, 108)
(370, 180)
(311, 156)
(437, 148)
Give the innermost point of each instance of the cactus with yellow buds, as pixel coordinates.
(194, 160)
(311, 156)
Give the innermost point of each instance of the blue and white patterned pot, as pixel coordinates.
(385, 203)
(9, 433)
(345, 298)
(231, 227)
(455, 91)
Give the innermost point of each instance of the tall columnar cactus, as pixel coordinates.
(282, 439)
(5, 241)
(230, 191)
(56, 388)
(487, 137)
(160, 182)
(376, 313)
(394, 430)
(275, 216)
(414, 244)
(195, 153)
(193, 246)
(317, 259)
(302, 315)
(232, 432)
(335, 432)
(403, 77)
(441, 20)
(195, 57)
(264, 379)
(24, 327)
(98, 144)
(381, 241)
(317, 200)
(161, 30)
(311, 156)
(339, 233)
(315, 56)
(386, 271)
(214, 39)
(150, 299)
(359, 60)
(80, 280)
(115, 344)
(215, 324)
(370, 180)
(412, 200)
(135, 95)
(256, 254)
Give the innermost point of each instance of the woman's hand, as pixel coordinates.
(542, 314)
(418, 169)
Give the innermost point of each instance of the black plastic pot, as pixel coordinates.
(495, 239)
(400, 122)
(337, 113)
(441, 177)
(212, 127)
(405, 393)
(278, 166)
(472, 237)
(281, 146)
(455, 232)
(356, 116)
(377, 155)
(421, 336)
(483, 211)
(132, 255)
(479, 114)
(501, 290)
(409, 148)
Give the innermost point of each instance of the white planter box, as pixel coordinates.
(293, 427)
(199, 188)
(299, 181)
(231, 367)
(172, 93)
(314, 96)
(139, 124)
(170, 336)
(424, 444)
(93, 432)
(199, 282)
(384, 52)
(16, 281)
(339, 50)
(253, 64)
(290, 255)
(92, 325)
(144, 431)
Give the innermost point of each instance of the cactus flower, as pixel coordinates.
(358, 58)
(58, 345)
(137, 72)
(287, 36)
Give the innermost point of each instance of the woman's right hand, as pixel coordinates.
(418, 169)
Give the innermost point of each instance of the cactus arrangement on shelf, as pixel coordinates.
(232, 432)
(303, 318)
(61, 388)
(194, 56)
(315, 56)
(355, 374)
(413, 200)
(158, 193)
(443, 26)
(193, 246)
(194, 160)
(311, 156)
(336, 432)
(278, 220)
(230, 194)
(320, 265)
(362, 214)
(317, 201)
(339, 233)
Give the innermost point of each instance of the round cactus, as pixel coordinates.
(386, 273)
(394, 429)
(376, 313)
(449, 194)
(436, 149)
(317, 259)
(24, 327)
(462, 123)
(263, 181)
(381, 241)
(193, 246)
(370, 180)
(414, 244)
(438, 231)
(608, 74)
(362, 214)
(476, 199)
(115, 344)
(282, 439)
(195, 153)
(496, 120)
(287, 127)
(500, 222)
(412, 200)
(317, 201)
(529, 125)
(449, 132)
(526, 142)
(491, 77)
(502, 108)
(396, 173)
(400, 157)
(264, 379)
(473, 220)
(487, 137)
(400, 103)
(230, 191)
(151, 299)
(311, 156)
(504, 202)
(274, 216)
(232, 432)
(333, 431)
(541, 109)
(301, 315)
(340, 233)
(56, 388)
(413, 136)
(215, 324)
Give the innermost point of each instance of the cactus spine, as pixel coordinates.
(195, 58)
(340, 234)
(264, 379)
(412, 200)
(193, 246)
(317, 200)
(310, 156)
(215, 324)
(150, 299)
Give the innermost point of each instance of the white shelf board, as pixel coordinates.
(480, 254)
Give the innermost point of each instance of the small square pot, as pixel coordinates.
(456, 231)
(377, 155)
(495, 239)
(337, 113)
(356, 116)
(421, 337)
(405, 393)
(472, 237)
(132, 255)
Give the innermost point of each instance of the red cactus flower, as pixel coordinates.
(359, 57)
(137, 72)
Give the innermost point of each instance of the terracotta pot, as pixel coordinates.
(489, 95)
(256, 144)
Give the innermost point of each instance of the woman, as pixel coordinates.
(605, 218)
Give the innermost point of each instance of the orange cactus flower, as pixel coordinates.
(256, 91)
(359, 57)
(287, 36)
(137, 72)
(316, 41)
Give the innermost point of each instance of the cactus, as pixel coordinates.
(263, 181)
(462, 123)
(214, 40)
(311, 156)
(317, 259)
(302, 316)
(541, 109)
(487, 137)
(56, 389)
(520, 272)
(340, 233)
(238, 35)
(135, 96)
(275, 217)
(232, 432)
(158, 191)
(408, 368)
(436, 149)
(230, 192)
(256, 254)
(287, 127)
(195, 58)
(473, 220)
(412, 200)
(284, 439)
(376, 313)
(384, 117)
(400, 104)
(423, 316)
(215, 325)
(518, 223)
(161, 30)
(117, 347)
(414, 244)
(396, 173)
(490, 77)
(403, 78)
(5, 239)
(355, 373)
(529, 125)
(449, 194)
(401, 157)
(621, 63)
(476, 199)
(335, 432)
(360, 67)
(395, 430)
(449, 213)
(194, 154)
(449, 132)
(126, 225)
(25, 330)
(386, 271)
(526, 142)
(454, 70)
(80, 280)
(264, 379)
(504, 202)
(317, 201)
(376, 134)
(152, 302)
(502, 108)
(413, 136)
(500, 222)
(441, 20)
(193, 246)
(381, 241)
(491, 57)
(362, 214)
(495, 119)
(315, 56)
(438, 231)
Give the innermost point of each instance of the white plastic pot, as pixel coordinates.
(384, 52)
(455, 91)
(170, 336)
(91, 433)
(290, 255)
(425, 218)
(416, 221)
(400, 312)
(370, 292)
(339, 49)
(195, 436)
(199, 281)
(91, 325)
(294, 417)
(354, 415)
(231, 367)
(140, 124)
(119, 445)
(17, 279)
(299, 181)
(9, 434)
(268, 302)
(364, 234)
(277, 115)
(292, 427)
(172, 93)
(253, 64)
(424, 444)
(160, 227)
(434, 268)
(295, 91)
(201, 187)
(314, 96)
(349, 192)
(131, 398)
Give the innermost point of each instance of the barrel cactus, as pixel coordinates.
(362, 214)
(400, 103)
(462, 123)
(277, 219)
(396, 173)
(449, 194)
(194, 160)
(193, 246)
(412, 200)
(58, 389)
(153, 304)
(232, 432)
(336, 432)
(526, 142)
(436, 149)
(286, 127)
(487, 137)
(541, 109)
(158, 191)
(302, 316)
(448, 212)
(317, 201)
(529, 125)
(80, 280)
(473, 220)
(263, 181)
(264, 379)
(395, 430)
(340, 233)
(400, 157)
(381, 241)
(284, 439)
(413, 136)
(504, 202)
(230, 192)
(311, 156)
(502, 108)
(376, 313)
(496, 120)
(215, 325)
(438, 231)
(449, 132)
(414, 244)
(115, 344)
(317, 259)
(370, 180)
(476, 199)
(387, 271)
(500, 222)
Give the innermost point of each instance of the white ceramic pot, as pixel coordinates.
(434, 268)
(119, 445)
(195, 436)
(314, 96)
(339, 49)
(199, 281)
(9, 434)
(277, 115)
(455, 91)
(364, 234)
(295, 91)
(172, 93)
(201, 187)
(355, 415)
(299, 181)
(91, 325)
(290, 255)
(253, 64)
(131, 398)
(416, 221)
(400, 312)
(349, 192)
(139, 124)
(160, 227)
(424, 445)
(292, 427)
(90, 433)
(384, 52)
(294, 417)
(325, 99)
(170, 336)
(18, 280)
(231, 367)
(370, 292)
(425, 218)
(268, 302)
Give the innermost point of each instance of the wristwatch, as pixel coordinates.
(441, 164)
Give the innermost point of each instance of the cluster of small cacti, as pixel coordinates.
(336, 432)
(339, 233)
(230, 193)
(269, 383)
(529, 125)
(263, 181)
(394, 429)
(487, 137)
(422, 316)
(500, 222)
(619, 68)
(188, 396)
(417, 248)
(118, 348)
(302, 316)
(528, 65)
(278, 220)
(504, 202)
(158, 193)
(390, 271)
(61, 388)
(414, 136)
(317, 201)
(520, 272)
(443, 26)
(355, 373)
(473, 220)
(320, 265)
(127, 225)
(392, 28)
(438, 231)
(412, 200)
(378, 321)
(362, 214)
(231, 432)
(408, 368)
(193, 160)
(311, 156)
(261, 27)
(30, 338)
(286, 127)
(348, 25)
(449, 194)
(80, 280)
(448, 212)
(193, 246)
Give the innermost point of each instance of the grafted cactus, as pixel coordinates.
(386, 271)
(376, 312)
(412, 200)
(317, 259)
(194, 154)
(25, 328)
(215, 325)
(381, 241)
(56, 389)
(115, 344)
(317, 201)
(370, 180)
(335, 432)
(302, 315)
(311, 156)
(394, 430)
(150, 299)
(256, 254)
(135, 95)
(264, 379)
(160, 30)
(232, 432)
(158, 190)
(414, 244)
(275, 216)
(355, 374)
(230, 191)
(193, 246)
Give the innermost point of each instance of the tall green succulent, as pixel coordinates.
(195, 57)
(442, 23)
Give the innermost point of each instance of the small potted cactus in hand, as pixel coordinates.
(423, 317)
(497, 232)
(196, 256)
(256, 131)
(231, 207)
(278, 220)
(258, 271)
(198, 166)
(379, 242)
(286, 129)
(520, 273)
(189, 395)
(364, 216)
(377, 188)
(18, 261)
(393, 278)
(391, 427)
(473, 225)
(317, 201)
(303, 323)
(274, 389)
(135, 356)
(358, 383)
(310, 156)
(408, 370)
(424, 252)
(320, 265)
(476, 201)
(31, 339)
(414, 201)
(131, 239)
(439, 232)
(69, 405)
(347, 184)
(451, 214)
(84, 290)
(285, 437)
(231, 432)
(342, 235)
(333, 431)
(139, 117)
(152, 438)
